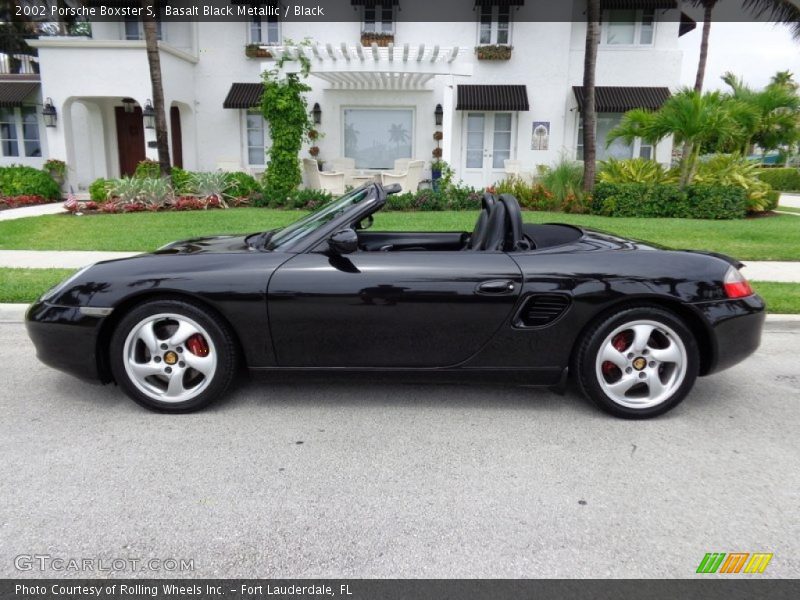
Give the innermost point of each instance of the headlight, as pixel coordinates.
(59, 287)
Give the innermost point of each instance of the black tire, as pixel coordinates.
(222, 345)
(585, 364)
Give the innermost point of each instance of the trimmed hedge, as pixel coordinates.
(17, 180)
(655, 200)
(785, 179)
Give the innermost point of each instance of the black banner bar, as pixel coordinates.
(404, 589)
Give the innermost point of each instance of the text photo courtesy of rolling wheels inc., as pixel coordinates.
(375, 299)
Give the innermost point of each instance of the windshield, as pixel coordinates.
(319, 218)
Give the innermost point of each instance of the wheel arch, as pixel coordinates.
(699, 328)
(120, 310)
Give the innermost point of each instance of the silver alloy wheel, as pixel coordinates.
(641, 364)
(161, 365)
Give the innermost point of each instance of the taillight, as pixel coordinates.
(736, 286)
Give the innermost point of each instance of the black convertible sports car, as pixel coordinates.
(634, 324)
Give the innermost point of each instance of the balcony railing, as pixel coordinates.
(18, 64)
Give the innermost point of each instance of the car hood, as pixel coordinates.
(221, 244)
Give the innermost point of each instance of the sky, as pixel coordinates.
(754, 51)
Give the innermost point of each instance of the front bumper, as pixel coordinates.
(65, 338)
(735, 327)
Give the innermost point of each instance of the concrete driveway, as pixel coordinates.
(344, 478)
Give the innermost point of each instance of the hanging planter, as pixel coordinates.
(256, 51)
(381, 39)
(493, 52)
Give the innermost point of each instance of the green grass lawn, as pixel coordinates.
(25, 285)
(769, 238)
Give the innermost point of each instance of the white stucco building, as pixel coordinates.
(376, 103)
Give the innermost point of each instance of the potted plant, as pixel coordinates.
(256, 51)
(373, 37)
(493, 52)
(57, 169)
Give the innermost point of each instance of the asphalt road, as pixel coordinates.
(337, 478)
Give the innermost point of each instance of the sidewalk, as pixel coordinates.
(790, 200)
(32, 211)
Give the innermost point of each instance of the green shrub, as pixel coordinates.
(16, 180)
(772, 200)
(243, 185)
(530, 196)
(785, 180)
(634, 170)
(298, 199)
(669, 200)
(98, 190)
(733, 170)
(716, 202)
(147, 169)
(181, 181)
(564, 180)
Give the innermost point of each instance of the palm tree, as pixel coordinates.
(779, 11)
(154, 61)
(589, 111)
(774, 109)
(784, 79)
(694, 119)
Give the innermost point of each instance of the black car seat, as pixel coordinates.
(479, 232)
(495, 228)
(515, 238)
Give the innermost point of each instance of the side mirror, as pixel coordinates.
(343, 242)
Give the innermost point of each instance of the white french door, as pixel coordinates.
(487, 142)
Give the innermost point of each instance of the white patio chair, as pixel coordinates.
(348, 167)
(408, 180)
(322, 180)
(401, 165)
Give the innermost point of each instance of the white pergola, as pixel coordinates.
(393, 67)
(358, 67)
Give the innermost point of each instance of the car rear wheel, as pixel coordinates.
(638, 363)
(172, 356)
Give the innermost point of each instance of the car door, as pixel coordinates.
(415, 309)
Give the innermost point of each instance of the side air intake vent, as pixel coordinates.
(542, 309)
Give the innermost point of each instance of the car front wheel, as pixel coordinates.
(172, 356)
(638, 363)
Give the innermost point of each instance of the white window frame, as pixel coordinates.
(637, 146)
(246, 141)
(412, 109)
(494, 9)
(641, 14)
(375, 25)
(19, 130)
(263, 23)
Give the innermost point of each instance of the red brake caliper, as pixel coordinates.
(197, 345)
(620, 343)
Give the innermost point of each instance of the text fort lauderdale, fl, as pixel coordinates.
(243, 11)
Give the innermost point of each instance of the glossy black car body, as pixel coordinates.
(403, 301)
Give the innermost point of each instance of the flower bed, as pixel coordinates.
(7, 202)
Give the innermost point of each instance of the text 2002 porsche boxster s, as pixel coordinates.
(634, 324)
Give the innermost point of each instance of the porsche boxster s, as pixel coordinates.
(633, 324)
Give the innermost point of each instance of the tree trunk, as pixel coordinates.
(708, 6)
(589, 112)
(154, 60)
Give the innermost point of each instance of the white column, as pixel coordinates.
(57, 145)
(448, 117)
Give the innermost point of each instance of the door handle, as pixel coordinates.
(497, 286)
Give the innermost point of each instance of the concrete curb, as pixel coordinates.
(15, 313)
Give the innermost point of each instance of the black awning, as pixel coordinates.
(499, 2)
(492, 97)
(244, 95)
(687, 24)
(640, 4)
(13, 93)
(622, 99)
